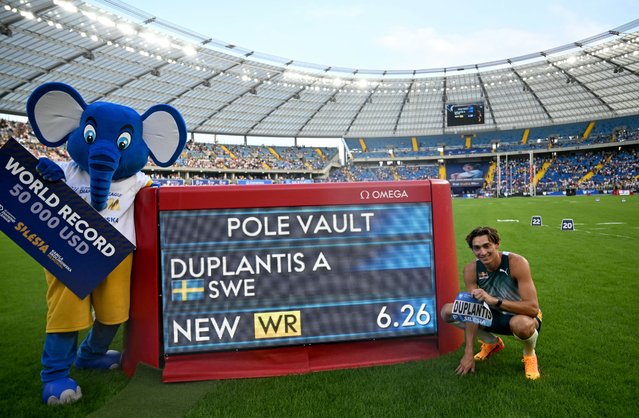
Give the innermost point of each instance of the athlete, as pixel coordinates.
(502, 280)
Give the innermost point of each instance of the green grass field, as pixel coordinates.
(588, 349)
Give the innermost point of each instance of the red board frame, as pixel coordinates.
(143, 338)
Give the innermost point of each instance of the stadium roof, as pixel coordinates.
(127, 56)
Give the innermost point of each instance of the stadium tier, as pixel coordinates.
(601, 156)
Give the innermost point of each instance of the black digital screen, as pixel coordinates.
(268, 277)
(466, 114)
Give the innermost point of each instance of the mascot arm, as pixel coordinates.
(49, 169)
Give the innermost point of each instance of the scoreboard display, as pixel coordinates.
(247, 278)
(260, 280)
(464, 114)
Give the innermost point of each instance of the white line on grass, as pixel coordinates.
(601, 233)
(614, 235)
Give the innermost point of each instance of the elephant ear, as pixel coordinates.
(54, 111)
(164, 132)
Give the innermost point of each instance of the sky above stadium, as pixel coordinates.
(394, 35)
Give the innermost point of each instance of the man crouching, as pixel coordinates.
(502, 280)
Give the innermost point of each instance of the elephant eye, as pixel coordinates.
(89, 134)
(124, 140)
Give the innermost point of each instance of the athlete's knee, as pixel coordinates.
(447, 312)
(523, 326)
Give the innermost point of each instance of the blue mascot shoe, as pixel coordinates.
(61, 391)
(109, 360)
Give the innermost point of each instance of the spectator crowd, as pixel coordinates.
(600, 169)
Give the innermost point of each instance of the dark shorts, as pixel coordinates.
(501, 322)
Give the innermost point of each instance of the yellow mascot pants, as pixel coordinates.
(110, 301)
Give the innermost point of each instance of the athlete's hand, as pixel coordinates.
(483, 296)
(466, 365)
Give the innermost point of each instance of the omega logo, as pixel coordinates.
(382, 194)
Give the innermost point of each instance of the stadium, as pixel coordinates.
(553, 134)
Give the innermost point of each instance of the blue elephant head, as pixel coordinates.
(107, 140)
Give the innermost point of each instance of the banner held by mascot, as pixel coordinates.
(109, 145)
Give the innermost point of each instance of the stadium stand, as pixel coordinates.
(565, 157)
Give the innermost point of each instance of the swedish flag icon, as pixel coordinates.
(189, 289)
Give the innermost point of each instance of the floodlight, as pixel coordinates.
(66, 6)
(126, 29)
(106, 21)
(189, 50)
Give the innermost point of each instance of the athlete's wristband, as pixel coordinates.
(499, 302)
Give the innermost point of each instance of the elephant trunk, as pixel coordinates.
(103, 161)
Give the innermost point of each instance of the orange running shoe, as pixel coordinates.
(488, 350)
(530, 367)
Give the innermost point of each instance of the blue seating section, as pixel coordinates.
(512, 136)
(575, 130)
(509, 140)
(607, 126)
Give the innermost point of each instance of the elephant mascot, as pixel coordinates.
(109, 145)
